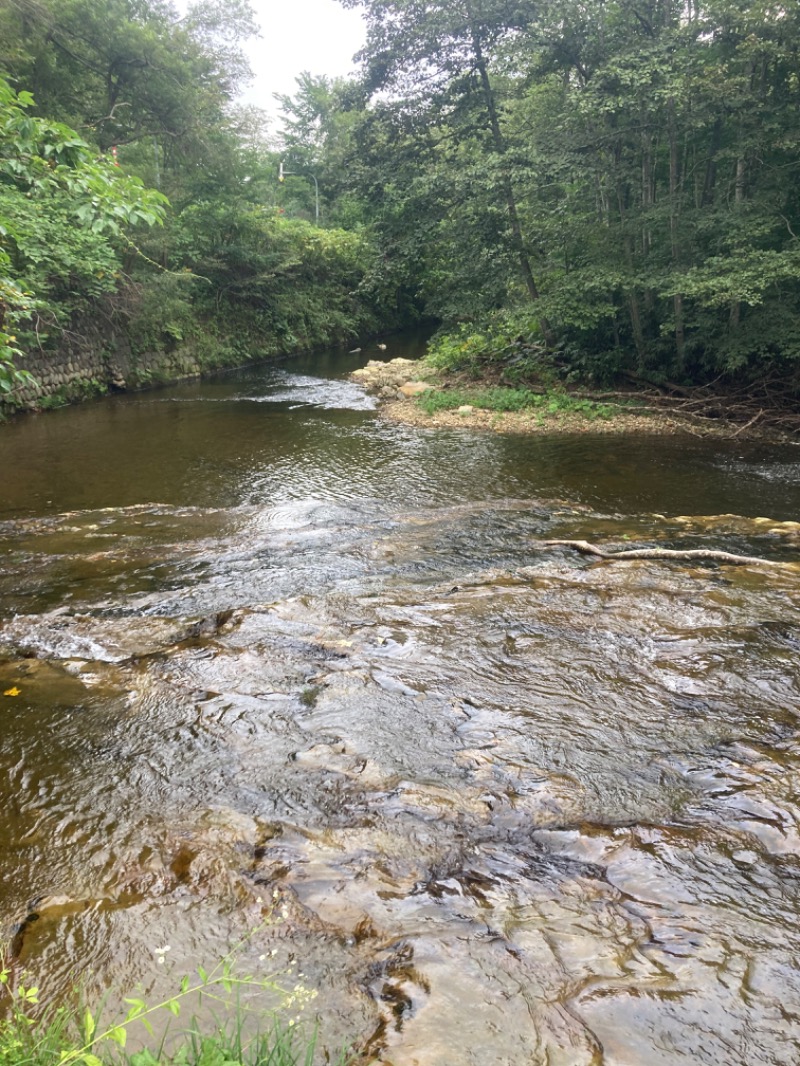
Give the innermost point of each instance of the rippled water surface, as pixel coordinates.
(516, 805)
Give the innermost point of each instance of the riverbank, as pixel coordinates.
(418, 395)
(89, 365)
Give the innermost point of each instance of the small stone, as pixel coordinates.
(465, 409)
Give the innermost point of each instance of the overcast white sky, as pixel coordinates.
(297, 35)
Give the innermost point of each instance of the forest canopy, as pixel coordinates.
(614, 183)
(619, 178)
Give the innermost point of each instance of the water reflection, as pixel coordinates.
(271, 433)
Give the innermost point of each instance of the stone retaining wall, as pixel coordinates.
(93, 359)
(92, 364)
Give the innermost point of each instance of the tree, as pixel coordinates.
(128, 71)
(634, 164)
(438, 61)
(317, 131)
(670, 136)
(63, 215)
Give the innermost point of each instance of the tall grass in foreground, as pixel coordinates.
(74, 1036)
(55, 1040)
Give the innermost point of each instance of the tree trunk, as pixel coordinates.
(674, 208)
(634, 310)
(711, 165)
(739, 186)
(508, 189)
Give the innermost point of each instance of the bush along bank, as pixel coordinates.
(505, 367)
(104, 283)
(293, 288)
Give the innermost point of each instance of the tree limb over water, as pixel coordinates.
(691, 555)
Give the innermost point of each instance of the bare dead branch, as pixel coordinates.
(693, 554)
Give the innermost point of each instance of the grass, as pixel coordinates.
(502, 399)
(57, 1038)
(238, 1033)
(310, 695)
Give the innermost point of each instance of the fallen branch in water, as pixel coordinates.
(700, 554)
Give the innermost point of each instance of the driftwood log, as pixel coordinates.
(693, 554)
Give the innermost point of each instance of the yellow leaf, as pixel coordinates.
(14, 691)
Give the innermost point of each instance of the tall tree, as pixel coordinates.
(635, 162)
(127, 70)
(438, 60)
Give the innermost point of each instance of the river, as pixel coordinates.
(262, 649)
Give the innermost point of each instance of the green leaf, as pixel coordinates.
(143, 1058)
(138, 1006)
(89, 1025)
(89, 1059)
(118, 1035)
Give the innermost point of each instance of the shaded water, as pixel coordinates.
(517, 806)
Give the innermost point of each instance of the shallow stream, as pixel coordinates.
(509, 804)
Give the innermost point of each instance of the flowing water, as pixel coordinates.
(511, 805)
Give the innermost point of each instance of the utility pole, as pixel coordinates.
(283, 174)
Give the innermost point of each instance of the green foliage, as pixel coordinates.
(563, 185)
(14, 304)
(289, 283)
(282, 1045)
(503, 398)
(511, 343)
(77, 233)
(581, 164)
(76, 1034)
(43, 160)
(63, 216)
(163, 315)
(509, 348)
(129, 71)
(487, 399)
(316, 142)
